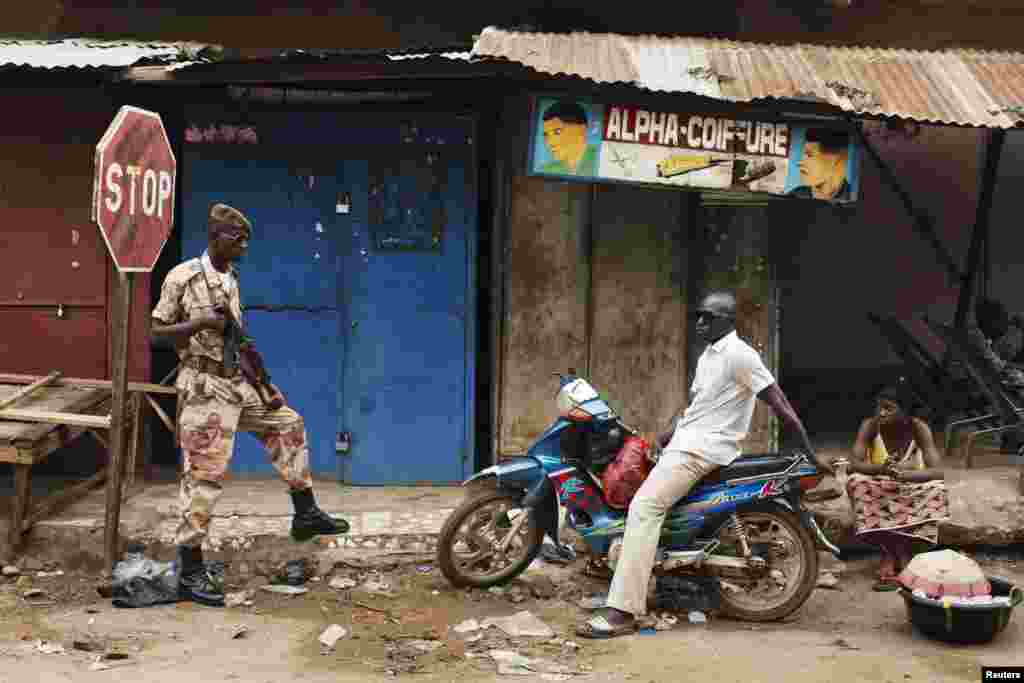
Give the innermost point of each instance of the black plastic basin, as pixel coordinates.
(963, 623)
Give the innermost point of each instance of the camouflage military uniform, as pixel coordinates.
(211, 408)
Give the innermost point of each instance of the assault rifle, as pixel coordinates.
(240, 353)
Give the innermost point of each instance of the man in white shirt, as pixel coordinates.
(730, 378)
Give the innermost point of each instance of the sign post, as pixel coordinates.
(133, 205)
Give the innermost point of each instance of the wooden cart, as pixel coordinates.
(50, 413)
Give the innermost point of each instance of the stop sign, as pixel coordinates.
(133, 189)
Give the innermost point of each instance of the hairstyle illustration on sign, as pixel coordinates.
(575, 138)
(565, 126)
(823, 164)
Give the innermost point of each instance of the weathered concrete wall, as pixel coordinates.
(596, 280)
(545, 303)
(638, 330)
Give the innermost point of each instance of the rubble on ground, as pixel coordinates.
(424, 623)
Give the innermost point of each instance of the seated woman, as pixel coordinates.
(896, 484)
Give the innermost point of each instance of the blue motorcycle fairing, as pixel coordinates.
(526, 475)
(525, 470)
(518, 472)
(547, 447)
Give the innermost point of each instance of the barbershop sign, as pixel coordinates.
(579, 139)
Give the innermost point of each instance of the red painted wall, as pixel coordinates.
(52, 257)
(849, 262)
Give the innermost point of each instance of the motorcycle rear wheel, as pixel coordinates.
(799, 588)
(480, 523)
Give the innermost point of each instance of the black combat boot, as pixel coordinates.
(196, 583)
(310, 521)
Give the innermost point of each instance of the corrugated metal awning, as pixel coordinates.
(84, 53)
(962, 87)
(311, 65)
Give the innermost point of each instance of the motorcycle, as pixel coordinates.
(744, 525)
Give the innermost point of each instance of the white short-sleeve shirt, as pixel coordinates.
(730, 374)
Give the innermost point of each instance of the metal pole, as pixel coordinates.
(123, 308)
(921, 222)
(994, 150)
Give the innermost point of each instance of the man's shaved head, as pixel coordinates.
(715, 316)
(719, 302)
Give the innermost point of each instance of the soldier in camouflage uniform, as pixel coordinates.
(214, 404)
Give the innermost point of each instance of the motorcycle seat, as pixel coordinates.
(749, 466)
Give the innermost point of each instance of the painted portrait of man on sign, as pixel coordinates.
(565, 124)
(823, 166)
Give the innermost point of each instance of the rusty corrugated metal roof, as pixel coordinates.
(964, 87)
(84, 53)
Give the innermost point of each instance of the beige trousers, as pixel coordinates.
(669, 482)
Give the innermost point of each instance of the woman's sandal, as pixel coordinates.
(600, 628)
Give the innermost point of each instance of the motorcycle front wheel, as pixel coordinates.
(469, 549)
(777, 535)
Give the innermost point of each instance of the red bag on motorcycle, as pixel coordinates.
(623, 477)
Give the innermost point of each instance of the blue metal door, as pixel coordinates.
(408, 301)
(289, 290)
(366, 323)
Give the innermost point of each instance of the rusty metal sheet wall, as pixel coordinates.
(595, 280)
(36, 342)
(545, 323)
(52, 257)
(639, 261)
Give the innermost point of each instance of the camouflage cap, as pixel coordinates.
(222, 214)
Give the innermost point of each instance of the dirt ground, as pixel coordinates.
(404, 630)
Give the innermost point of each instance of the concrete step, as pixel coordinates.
(252, 523)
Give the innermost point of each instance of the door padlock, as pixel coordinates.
(343, 443)
(344, 203)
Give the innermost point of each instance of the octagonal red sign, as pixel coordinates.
(133, 189)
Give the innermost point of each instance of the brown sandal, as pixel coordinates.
(600, 628)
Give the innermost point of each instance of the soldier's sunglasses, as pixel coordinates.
(231, 232)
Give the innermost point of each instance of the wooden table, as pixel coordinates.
(55, 416)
